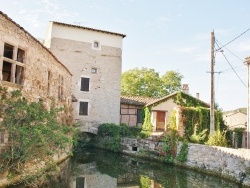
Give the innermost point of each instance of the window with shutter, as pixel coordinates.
(85, 84)
(83, 108)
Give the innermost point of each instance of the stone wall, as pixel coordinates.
(43, 73)
(27, 65)
(102, 66)
(228, 163)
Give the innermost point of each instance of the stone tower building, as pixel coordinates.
(94, 57)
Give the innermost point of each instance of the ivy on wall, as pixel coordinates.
(186, 100)
(147, 126)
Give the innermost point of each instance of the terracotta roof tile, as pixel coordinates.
(137, 100)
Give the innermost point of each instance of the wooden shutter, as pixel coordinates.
(83, 109)
(84, 84)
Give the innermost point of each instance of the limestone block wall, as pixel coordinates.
(225, 162)
(43, 77)
(43, 72)
(103, 96)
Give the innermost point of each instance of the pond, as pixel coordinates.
(94, 168)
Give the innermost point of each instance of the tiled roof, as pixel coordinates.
(241, 110)
(88, 28)
(171, 95)
(21, 28)
(137, 100)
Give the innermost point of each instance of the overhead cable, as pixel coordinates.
(233, 39)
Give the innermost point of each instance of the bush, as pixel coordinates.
(217, 139)
(34, 132)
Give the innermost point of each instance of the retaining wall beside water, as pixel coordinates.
(229, 163)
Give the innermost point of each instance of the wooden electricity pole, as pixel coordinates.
(212, 86)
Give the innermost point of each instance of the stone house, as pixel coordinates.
(27, 65)
(132, 109)
(94, 57)
(235, 118)
(162, 108)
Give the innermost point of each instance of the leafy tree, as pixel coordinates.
(141, 82)
(171, 82)
(147, 82)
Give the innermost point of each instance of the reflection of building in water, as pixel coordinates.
(129, 180)
(132, 180)
(89, 177)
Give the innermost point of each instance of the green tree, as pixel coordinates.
(147, 82)
(141, 82)
(171, 82)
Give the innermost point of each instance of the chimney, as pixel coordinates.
(198, 95)
(185, 88)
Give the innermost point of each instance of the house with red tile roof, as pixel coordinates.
(161, 109)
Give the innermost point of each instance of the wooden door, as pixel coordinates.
(160, 121)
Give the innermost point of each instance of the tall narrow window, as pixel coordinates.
(7, 71)
(85, 84)
(83, 108)
(80, 182)
(49, 84)
(139, 116)
(20, 55)
(60, 87)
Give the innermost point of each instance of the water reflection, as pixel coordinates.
(100, 169)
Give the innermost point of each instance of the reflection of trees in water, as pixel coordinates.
(128, 170)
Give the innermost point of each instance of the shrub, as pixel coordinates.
(34, 132)
(217, 139)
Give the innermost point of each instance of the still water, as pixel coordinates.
(101, 169)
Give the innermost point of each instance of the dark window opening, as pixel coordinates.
(83, 109)
(48, 85)
(60, 87)
(96, 44)
(19, 75)
(84, 84)
(139, 116)
(134, 162)
(80, 181)
(7, 71)
(8, 51)
(2, 137)
(20, 55)
(134, 148)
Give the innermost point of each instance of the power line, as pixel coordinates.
(234, 70)
(231, 52)
(231, 65)
(233, 39)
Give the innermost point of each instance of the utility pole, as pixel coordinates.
(212, 86)
(248, 103)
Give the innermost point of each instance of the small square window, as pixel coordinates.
(96, 44)
(94, 70)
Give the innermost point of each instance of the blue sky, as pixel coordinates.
(163, 35)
